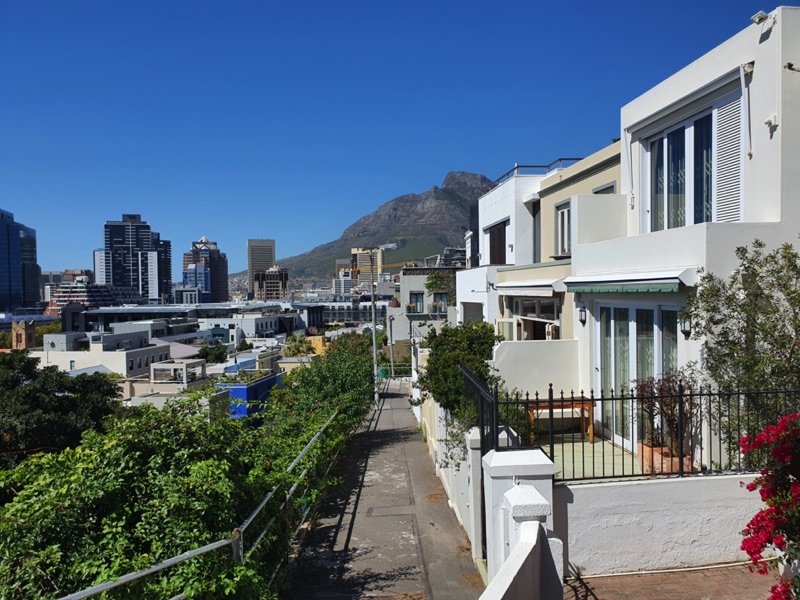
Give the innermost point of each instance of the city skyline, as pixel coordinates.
(223, 122)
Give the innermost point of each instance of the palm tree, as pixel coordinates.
(297, 345)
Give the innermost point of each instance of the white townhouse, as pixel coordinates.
(709, 162)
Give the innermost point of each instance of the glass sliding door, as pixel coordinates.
(669, 341)
(633, 343)
(614, 368)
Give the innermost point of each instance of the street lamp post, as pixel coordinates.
(391, 345)
(374, 290)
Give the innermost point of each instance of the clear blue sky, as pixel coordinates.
(292, 119)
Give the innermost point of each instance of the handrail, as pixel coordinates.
(559, 163)
(236, 539)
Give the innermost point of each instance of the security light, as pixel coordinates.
(759, 17)
(582, 315)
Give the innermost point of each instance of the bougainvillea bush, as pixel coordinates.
(777, 525)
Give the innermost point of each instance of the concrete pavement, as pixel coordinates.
(386, 531)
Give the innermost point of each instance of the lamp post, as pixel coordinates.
(391, 345)
(373, 290)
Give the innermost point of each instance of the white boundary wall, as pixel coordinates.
(654, 524)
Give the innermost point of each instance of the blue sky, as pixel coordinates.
(290, 120)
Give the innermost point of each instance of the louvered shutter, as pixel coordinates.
(729, 162)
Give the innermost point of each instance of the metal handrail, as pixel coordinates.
(236, 539)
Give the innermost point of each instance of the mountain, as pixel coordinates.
(420, 224)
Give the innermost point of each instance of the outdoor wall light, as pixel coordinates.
(582, 315)
(759, 17)
(686, 327)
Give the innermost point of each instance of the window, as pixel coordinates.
(563, 230)
(694, 169)
(415, 301)
(497, 243)
(440, 298)
(609, 188)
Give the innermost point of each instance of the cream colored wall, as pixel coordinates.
(585, 186)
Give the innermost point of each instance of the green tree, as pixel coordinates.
(442, 283)
(297, 345)
(749, 323)
(470, 344)
(46, 409)
(244, 345)
(42, 330)
(213, 354)
(160, 482)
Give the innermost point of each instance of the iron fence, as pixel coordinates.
(614, 436)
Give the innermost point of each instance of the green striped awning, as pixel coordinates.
(646, 281)
(607, 288)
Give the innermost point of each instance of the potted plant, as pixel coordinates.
(436, 307)
(395, 303)
(666, 413)
(411, 307)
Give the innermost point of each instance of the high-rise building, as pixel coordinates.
(260, 258)
(272, 284)
(367, 265)
(19, 271)
(135, 260)
(214, 276)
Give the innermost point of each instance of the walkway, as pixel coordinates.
(386, 531)
(720, 583)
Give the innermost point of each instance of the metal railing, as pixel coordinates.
(237, 538)
(559, 163)
(592, 437)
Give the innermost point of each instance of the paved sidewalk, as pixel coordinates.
(720, 583)
(386, 530)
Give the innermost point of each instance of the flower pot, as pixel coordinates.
(656, 460)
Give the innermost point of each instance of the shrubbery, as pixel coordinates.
(157, 483)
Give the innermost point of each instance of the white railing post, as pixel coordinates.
(475, 530)
(501, 472)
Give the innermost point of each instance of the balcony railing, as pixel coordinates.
(428, 309)
(590, 437)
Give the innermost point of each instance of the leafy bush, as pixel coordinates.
(160, 482)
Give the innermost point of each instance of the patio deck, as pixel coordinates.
(576, 459)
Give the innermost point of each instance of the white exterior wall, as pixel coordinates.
(654, 524)
(472, 286)
(769, 176)
(117, 361)
(506, 201)
(530, 366)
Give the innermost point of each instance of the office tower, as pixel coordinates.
(363, 269)
(260, 258)
(135, 260)
(213, 279)
(31, 272)
(272, 284)
(19, 271)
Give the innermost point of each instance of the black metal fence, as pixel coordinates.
(614, 436)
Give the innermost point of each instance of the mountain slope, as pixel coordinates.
(420, 224)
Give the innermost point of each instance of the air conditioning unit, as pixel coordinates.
(551, 331)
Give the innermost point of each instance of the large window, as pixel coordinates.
(694, 169)
(496, 235)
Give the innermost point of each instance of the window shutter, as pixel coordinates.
(729, 162)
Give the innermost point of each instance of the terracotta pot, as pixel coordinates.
(659, 459)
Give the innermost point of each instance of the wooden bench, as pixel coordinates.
(583, 408)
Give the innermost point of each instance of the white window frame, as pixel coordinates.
(563, 229)
(687, 123)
